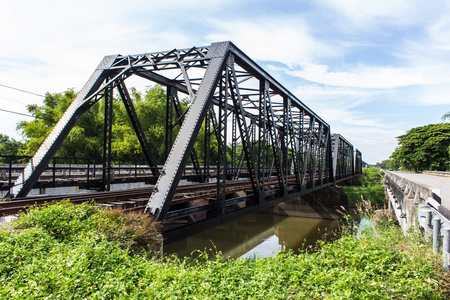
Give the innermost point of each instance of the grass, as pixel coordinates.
(77, 252)
(371, 189)
(374, 194)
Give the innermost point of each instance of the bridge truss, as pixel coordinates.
(264, 133)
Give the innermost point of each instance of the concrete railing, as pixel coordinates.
(437, 225)
(418, 204)
(440, 173)
(405, 197)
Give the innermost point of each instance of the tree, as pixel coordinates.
(9, 146)
(388, 164)
(426, 147)
(84, 140)
(446, 116)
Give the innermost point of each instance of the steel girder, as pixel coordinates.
(91, 93)
(263, 132)
(273, 129)
(343, 158)
(358, 162)
(129, 106)
(107, 138)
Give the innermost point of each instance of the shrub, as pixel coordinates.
(135, 232)
(39, 261)
(63, 220)
(67, 222)
(372, 189)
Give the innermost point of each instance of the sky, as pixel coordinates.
(371, 69)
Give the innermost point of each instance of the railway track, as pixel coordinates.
(190, 204)
(129, 200)
(193, 208)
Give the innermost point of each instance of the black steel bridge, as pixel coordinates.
(270, 146)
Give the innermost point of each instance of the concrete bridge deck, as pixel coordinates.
(434, 182)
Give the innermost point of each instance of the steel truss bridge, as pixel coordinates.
(266, 137)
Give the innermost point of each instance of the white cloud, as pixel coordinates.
(439, 32)
(363, 15)
(343, 97)
(434, 95)
(51, 45)
(374, 77)
(284, 39)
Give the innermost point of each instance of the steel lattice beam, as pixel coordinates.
(263, 132)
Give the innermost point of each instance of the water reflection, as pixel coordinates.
(261, 234)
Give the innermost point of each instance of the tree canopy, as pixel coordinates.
(424, 148)
(86, 138)
(388, 164)
(9, 146)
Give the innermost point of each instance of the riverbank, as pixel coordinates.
(80, 259)
(370, 189)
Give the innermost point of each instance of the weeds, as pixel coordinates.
(69, 223)
(135, 232)
(371, 189)
(89, 257)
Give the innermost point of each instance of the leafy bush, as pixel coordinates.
(371, 176)
(135, 232)
(67, 222)
(373, 194)
(372, 189)
(64, 221)
(39, 261)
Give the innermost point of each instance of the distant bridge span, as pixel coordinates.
(263, 132)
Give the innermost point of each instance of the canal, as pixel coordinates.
(261, 235)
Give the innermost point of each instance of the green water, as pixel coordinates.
(261, 234)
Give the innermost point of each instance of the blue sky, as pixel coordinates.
(371, 69)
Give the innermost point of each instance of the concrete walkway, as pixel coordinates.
(435, 182)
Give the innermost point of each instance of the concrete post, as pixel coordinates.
(436, 235)
(446, 249)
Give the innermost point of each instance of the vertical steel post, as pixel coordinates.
(262, 139)
(436, 235)
(428, 224)
(107, 135)
(10, 172)
(222, 165)
(54, 171)
(87, 172)
(207, 145)
(446, 248)
(169, 120)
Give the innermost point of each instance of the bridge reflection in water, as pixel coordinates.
(261, 234)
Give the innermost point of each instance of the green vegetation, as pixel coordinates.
(9, 146)
(371, 189)
(77, 252)
(388, 164)
(86, 138)
(424, 148)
